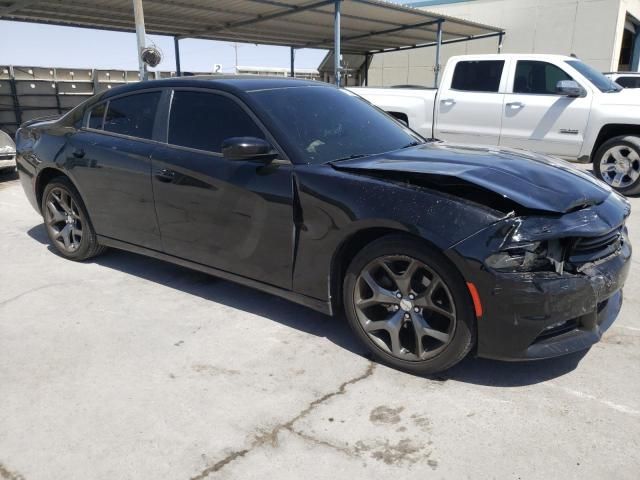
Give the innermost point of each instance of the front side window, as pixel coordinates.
(477, 75)
(204, 120)
(537, 77)
(96, 116)
(132, 115)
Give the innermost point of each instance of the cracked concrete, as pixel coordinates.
(271, 436)
(131, 368)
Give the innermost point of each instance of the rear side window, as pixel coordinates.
(203, 120)
(628, 82)
(132, 115)
(537, 77)
(96, 116)
(478, 76)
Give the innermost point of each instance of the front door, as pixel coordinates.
(231, 215)
(536, 118)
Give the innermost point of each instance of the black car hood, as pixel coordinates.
(534, 181)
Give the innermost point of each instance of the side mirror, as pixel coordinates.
(569, 88)
(247, 148)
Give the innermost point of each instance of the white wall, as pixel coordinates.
(592, 29)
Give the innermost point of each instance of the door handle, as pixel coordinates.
(448, 101)
(515, 104)
(78, 153)
(165, 175)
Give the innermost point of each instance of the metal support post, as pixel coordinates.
(292, 72)
(336, 42)
(500, 37)
(436, 68)
(140, 36)
(176, 48)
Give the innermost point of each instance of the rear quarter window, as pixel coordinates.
(132, 115)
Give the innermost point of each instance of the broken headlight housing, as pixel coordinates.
(526, 257)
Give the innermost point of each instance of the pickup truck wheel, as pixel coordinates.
(409, 306)
(617, 162)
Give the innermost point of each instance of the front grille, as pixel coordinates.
(591, 249)
(7, 156)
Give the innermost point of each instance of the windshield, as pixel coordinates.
(325, 124)
(604, 84)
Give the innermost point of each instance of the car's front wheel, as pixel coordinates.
(409, 306)
(67, 222)
(617, 162)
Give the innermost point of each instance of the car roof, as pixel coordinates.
(230, 83)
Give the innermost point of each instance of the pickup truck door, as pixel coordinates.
(469, 103)
(536, 118)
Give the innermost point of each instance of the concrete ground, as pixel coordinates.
(131, 368)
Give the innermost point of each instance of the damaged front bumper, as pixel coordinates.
(535, 315)
(540, 315)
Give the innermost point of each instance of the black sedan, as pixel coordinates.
(307, 191)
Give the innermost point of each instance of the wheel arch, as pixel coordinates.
(611, 130)
(348, 249)
(45, 176)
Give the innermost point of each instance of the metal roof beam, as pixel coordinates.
(263, 18)
(375, 33)
(432, 44)
(17, 5)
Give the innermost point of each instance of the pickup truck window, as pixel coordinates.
(478, 75)
(628, 82)
(601, 82)
(537, 77)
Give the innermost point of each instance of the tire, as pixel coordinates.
(67, 222)
(399, 264)
(617, 163)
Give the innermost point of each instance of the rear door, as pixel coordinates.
(469, 104)
(536, 118)
(110, 158)
(232, 215)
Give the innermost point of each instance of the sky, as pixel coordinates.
(34, 45)
(39, 45)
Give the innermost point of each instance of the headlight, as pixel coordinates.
(530, 257)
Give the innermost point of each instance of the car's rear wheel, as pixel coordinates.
(409, 306)
(67, 222)
(617, 162)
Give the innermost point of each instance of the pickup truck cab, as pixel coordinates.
(551, 104)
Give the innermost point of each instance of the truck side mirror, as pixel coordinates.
(569, 88)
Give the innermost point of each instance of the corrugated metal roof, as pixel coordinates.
(366, 25)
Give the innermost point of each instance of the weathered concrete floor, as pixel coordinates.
(130, 368)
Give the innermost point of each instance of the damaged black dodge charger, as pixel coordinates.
(308, 192)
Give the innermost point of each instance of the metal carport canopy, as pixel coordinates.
(364, 26)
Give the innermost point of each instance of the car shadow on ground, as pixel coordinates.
(470, 370)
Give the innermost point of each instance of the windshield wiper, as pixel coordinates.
(412, 144)
(351, 157)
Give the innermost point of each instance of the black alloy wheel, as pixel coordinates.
(67, 222)
(409, 306)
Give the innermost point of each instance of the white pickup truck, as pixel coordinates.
(550, 104)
